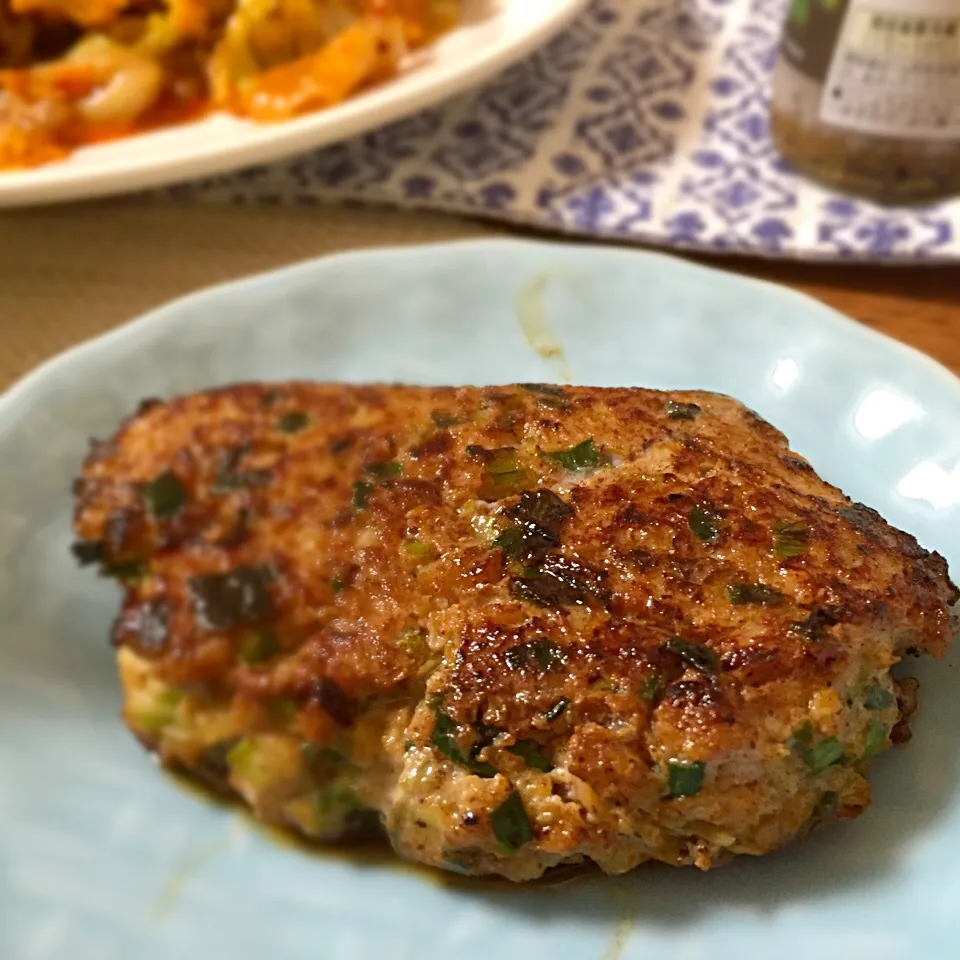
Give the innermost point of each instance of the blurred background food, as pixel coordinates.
(74, 72)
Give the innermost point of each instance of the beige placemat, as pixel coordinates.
(69, 273)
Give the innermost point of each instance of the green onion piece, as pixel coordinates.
(557, 710)
(161, 713)
(876, 697)
(283, 710)
(802, 739)
(385, 469)
(704, 525)
(259, 647)
(293, 422)
(510, 823)
(682, 411)
(650, 687)
(824, 754)
(544, 389)
(165, 495)
(444, 421)
(510, 541)
(408, 745)
(337, 584)
(685, 777)
(791, 539)
(529, 752)
(444, 738)
(241, 754)
(361, 495)
(503, 461)
(543, 653)
(740, 594)
(876, 739)
(584, 456)
(694, 654)
(413, 642)
(416, 548)
(125, 570)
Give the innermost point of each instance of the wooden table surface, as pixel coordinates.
(69, 273)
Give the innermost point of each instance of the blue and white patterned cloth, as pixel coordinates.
(646, 121)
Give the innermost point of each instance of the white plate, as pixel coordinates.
(104, 858)
(495, 33)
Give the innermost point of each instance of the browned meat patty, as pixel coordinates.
(517, 626)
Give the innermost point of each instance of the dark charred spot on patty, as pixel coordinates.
(341, 707)
(222, 600)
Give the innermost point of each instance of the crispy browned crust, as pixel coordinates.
(364, 542)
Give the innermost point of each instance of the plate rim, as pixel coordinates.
(27, 188)
(157, 316)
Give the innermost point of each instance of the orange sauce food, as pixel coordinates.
(77, 72)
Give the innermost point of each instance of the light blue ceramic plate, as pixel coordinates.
(103, 858)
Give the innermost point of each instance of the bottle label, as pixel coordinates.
(895, 68)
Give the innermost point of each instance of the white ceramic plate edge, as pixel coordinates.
(390, 102)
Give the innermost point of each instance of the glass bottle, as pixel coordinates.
(866, 96)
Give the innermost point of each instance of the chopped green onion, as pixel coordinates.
(416, 548)
(682, 411)
(529, 752)
(510, 823)
(408, 745)
(444, 738)
(125, 570)
(283, 709)
(824, 754)
(740, 594)
(544, 389)
(650, 687)
(510, 541)
(801, 739)
(503, 461)
(337, 584)
(384, 470)
(557, 710)
(259, 647)
(878, 698)
(584, 456)
(413, 641)
(876, 738)
(543, 653)
(293, 422)
(704, 525)
(694, 654)
(791, 539)
(444, 421)
(685, 777)
(87, 551)
(165, 495)
(361, 494)
(161, 713)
